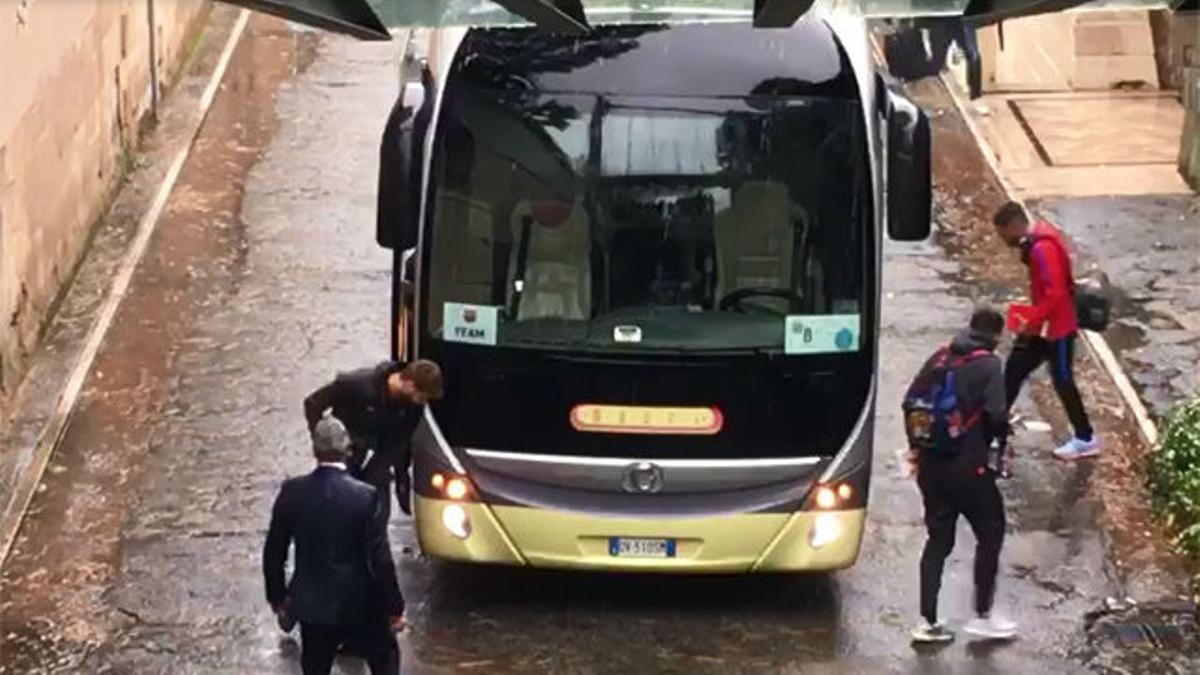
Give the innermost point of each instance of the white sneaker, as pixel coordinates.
(991, 627)
(935, 633)
(1076, 449)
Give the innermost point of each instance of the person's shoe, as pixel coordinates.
(1076, 449)
(927, 633)
(991, 627)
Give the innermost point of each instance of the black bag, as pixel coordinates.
(906, 57)
(1092, 309)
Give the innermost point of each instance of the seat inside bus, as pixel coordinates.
(556, 279)
(756, 238)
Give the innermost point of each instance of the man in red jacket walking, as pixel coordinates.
(1046, 330)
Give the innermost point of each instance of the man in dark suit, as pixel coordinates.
(344, 590)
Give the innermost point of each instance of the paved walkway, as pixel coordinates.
(1102, 166)
(1085, 144)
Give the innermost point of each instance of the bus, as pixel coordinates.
(647, 259)
(646, 255)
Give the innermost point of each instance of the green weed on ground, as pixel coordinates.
(1175, 477)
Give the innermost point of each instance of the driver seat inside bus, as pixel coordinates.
(556, 279)
(755, 240)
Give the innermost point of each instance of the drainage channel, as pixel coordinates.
(1129, 638)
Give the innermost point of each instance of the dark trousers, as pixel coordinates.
(950, 488)
(374, 643)
(1028, 353)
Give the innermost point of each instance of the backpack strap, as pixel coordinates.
(941, 356)
(963, 360)
(970, 356)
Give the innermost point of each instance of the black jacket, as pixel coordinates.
(344, 573)
(358, 398)
(978, 385)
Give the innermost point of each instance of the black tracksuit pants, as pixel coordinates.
(950, 488)
(1030, 352)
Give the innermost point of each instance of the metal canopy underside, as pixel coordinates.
(373, 19)
(352, 17)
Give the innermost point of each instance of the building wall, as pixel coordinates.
(1063, 51)
(74, 87)
(1176, 45)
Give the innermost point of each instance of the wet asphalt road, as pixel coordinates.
(141, 553)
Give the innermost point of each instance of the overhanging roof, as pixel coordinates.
(373, 19)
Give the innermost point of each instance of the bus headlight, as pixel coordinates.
(826, 498)
(831, 496)
(456, 489)
(450, 486)
(826, 529)
(454, 518)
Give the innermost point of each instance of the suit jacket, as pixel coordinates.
(344, 573)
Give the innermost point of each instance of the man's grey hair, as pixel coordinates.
(330, 438)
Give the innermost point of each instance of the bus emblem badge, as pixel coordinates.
(643, 478)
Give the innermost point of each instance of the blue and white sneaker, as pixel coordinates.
(927, 633)
(1076, 449)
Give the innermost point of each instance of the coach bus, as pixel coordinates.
(647, 257)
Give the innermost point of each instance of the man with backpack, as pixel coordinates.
(954, 412)
(1046, 329)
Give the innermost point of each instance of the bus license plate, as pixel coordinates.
(623, 547)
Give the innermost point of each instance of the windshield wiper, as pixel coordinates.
(522, 259)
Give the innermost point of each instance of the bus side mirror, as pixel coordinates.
(909, 180)
(397, 216)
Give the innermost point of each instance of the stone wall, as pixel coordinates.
(74, 88)
(1062, 51)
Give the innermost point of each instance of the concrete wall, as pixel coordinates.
(1176, 45)
(1189, 149)
(74, 87)
(1061, 51)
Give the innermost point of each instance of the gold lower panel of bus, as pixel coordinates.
(751, 542)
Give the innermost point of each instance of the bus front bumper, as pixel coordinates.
(738, 543)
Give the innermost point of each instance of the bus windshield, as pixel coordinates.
(614, 223)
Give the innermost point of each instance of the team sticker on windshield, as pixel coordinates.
(821, 334)
(470, 324)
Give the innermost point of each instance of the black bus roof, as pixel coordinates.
(713, 59)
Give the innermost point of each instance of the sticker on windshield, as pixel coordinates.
(472, 324)
(820, 334)
(627, 334)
